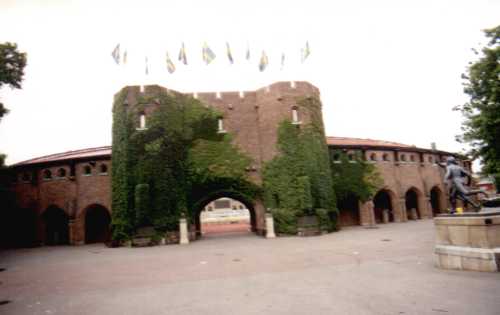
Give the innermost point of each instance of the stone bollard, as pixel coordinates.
(270, 226)
(183, 232)
(385, 215)
(413, 214)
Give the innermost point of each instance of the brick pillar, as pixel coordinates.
(423, 207)
(76, 231)
(429, 206)
(367, 214)
(397, 210)
(402, 205)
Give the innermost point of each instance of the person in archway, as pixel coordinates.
(454, 179)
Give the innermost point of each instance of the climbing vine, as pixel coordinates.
(298, 180)
(354, 177)
(160, 173)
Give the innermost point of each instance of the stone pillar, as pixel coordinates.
(404, 214)
(183, 232)
(270, 226)
(385, 215)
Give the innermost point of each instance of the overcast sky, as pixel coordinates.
(386, 70)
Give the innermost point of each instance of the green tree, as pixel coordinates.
(12, 63)
(481, 127)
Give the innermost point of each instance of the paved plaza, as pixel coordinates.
(387, 270)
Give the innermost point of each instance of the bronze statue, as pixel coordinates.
(454, 178)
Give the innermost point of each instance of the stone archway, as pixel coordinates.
(250, 206)
(413, 200)
(97, 224)
(437, 200)
(56, 226)
(383, 203)
(349, 211)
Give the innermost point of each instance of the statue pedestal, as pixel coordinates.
(470, 241)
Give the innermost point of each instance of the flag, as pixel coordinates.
(170, 65)
(116, 54)
(229, 55)
(182, 55)
(208, 54)
(305, 52)
(248, 53)
(263, 61)
(282, 61)
(147, 67)
(124, 60)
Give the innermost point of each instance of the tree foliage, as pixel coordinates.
(354, 177)
(12, 63)
(481, 127)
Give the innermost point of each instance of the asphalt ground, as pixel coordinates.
(387, 270)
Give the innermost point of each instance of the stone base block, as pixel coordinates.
(467, 258)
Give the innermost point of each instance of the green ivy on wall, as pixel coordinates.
(161, 173)
(298, 180)
(355, 177)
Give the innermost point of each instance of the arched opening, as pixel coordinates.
(18, 227)
(383, 210)
(56, 226)
(349, 211)
(436, 200)
(97, 222)
(411, 202)
(224, 213)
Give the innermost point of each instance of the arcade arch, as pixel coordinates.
(97, 224)
(349, 211)
(383, 201)
(412, 201)
(56, 226)
(221, 199)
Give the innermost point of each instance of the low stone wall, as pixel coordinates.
(470, 241)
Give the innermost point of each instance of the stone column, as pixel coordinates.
(183, 232)
(422, 207)
(270, 226)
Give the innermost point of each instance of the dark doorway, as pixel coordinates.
(97, 221)
(381, 202)
(411, 198)
(56, 226)
(436, 200)
(349, 211)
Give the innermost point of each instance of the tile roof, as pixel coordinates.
(76, 154)
(343, 141)
(106, 150)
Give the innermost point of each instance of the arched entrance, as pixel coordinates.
(56, 226)
(411, 202)
(383, 202)
(97, 222)
(437, 199)
(224, 212)
(349, 211)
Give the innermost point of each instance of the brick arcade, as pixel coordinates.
(66, 197)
